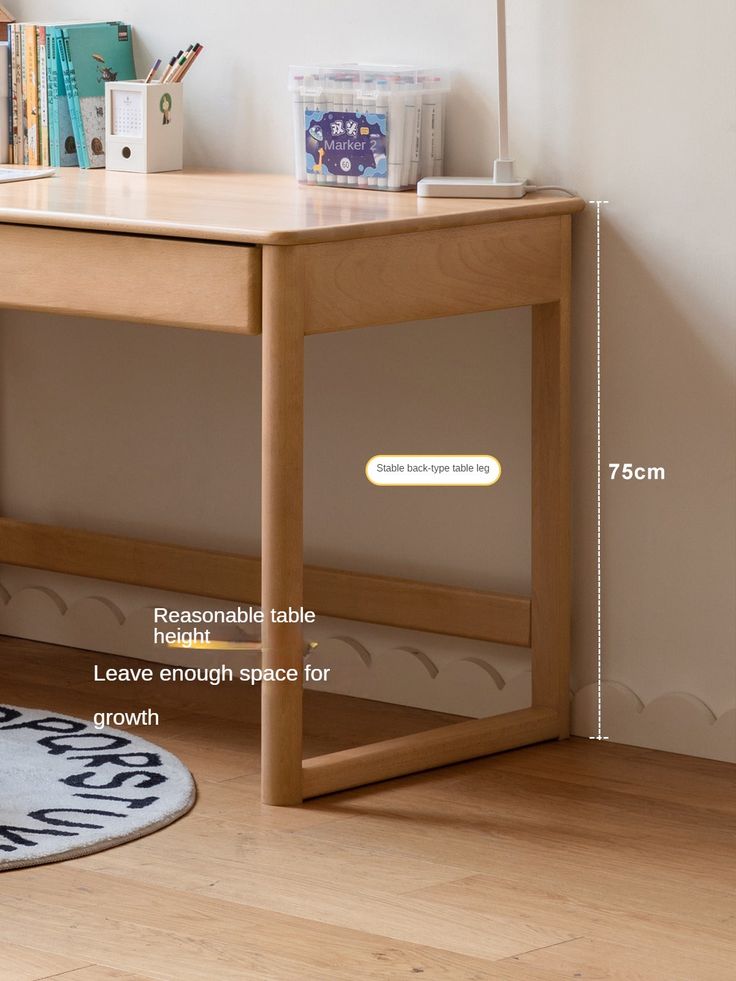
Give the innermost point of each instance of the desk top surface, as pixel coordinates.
(246, 208)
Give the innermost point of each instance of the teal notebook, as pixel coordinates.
(93, 54)
(62, 144)
(62, 54)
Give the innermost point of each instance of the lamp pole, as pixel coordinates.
(503, 99)
(503, 184)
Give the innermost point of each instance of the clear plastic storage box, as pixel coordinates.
(370, 126)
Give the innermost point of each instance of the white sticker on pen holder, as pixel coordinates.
(166, 105)
(414, 470)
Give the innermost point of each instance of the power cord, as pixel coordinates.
(551, 187)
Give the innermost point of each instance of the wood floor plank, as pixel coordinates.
(21, 963)
(589, 958)
(671, 831)
(644, 774)
(215, 852)
(402, 918)
(674, 934)
(537, 847)
(95, 972)
(188, 937)
(161, 955)
(326, 882)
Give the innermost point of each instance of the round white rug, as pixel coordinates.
(68, 789)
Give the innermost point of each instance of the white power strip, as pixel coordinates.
(470, 187)
(503, 184)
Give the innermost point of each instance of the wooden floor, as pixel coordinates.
(567, 860)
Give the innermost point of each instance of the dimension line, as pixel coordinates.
(599, 570)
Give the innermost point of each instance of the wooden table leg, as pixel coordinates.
(282, 520)
(551, 587)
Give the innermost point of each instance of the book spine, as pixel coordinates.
(13, 95)
(72, 95)
(9, 83)
(17, 155)
(18, 88)
(22, 101)
(31, 91)
(52, 91)
(43, 101)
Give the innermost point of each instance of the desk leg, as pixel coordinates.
(282, 519)
(551, 599)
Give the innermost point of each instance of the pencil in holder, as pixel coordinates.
(144, 126)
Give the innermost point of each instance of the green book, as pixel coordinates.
(62, 144)
(72, 101)
(94, 54)
(52, 92)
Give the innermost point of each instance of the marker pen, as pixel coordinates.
(370, 105)
(311, 104)
(382, 108)
(300, 142)
(349, 89)
(413, 135)
(429, 122)
(324, 106)
(340, 83)
(359, 107)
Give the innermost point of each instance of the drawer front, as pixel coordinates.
(177, 282)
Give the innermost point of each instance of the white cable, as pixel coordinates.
(551, 187)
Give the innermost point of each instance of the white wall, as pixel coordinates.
(628, 101)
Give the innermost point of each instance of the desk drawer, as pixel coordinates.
(178, 282)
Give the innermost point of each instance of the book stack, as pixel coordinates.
(57, 76)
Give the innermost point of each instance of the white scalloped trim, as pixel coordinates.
(407, 667)
(676, 722)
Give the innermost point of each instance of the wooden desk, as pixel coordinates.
(258, 254)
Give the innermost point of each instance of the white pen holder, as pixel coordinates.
(144, 126)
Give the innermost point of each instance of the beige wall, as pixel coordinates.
(629, 101)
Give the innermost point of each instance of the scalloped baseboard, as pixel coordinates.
(367, 661)
(676, 722)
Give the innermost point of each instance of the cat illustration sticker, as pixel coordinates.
(165, 105)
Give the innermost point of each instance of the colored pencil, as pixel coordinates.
(166, 71)
(154, 68)
(178, 71)
(190, 61)
(167, 74)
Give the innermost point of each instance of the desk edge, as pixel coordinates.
(544, 207)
